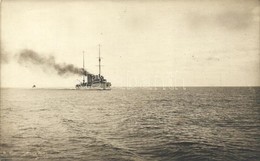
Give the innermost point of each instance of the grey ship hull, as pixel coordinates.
(95, 86)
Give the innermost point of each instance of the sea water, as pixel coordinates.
(131, 124)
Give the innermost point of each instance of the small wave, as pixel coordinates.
(4, 145)
(68, 120)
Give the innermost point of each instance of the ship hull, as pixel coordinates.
(95, 86)
(92, 88)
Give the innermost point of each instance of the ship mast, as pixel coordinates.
(83, 68)
(99, 61)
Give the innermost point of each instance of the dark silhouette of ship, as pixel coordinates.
(94, 82)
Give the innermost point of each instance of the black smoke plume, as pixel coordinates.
(30, 56)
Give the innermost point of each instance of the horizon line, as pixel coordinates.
(137, 87)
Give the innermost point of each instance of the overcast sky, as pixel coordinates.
(148, 43)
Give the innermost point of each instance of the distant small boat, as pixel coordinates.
(34, 86)
(94, 82)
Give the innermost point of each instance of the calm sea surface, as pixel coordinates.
(135, 124)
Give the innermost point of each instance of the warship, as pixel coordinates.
(93, 82)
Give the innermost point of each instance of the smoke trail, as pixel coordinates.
(30, 56)
(4, 56)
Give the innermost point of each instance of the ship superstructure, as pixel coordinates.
(94, 82)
